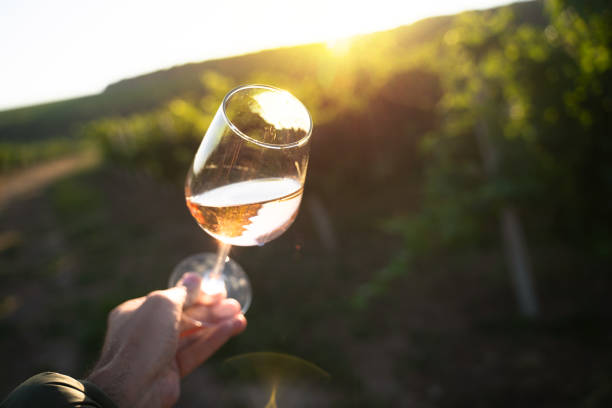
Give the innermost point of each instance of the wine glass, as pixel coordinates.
(246, 182)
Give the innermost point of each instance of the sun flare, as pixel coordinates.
(339, 46)
(193, 31)
(282, 110)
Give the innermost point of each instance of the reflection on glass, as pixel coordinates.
(246, 181)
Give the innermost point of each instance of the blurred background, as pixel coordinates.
(453, 247)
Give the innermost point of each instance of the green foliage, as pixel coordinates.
(14, 155)
(79, 205)
(531, 89)
(161, 142)
(379, 285)
(527, 93)
(525, 122)
(333, 86)
(318, 75)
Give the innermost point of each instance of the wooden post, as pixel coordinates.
(515, 246)
(518, 262)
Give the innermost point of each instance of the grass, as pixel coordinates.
(445, 334)
(17, 155)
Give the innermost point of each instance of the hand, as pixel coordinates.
(154, 341)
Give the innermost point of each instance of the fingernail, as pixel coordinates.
(237, 325)
(191, 280)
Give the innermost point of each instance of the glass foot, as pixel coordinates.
(236, 280)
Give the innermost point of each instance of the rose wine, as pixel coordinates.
(248, 213)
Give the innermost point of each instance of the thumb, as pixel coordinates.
(189, 286)
(180, 296)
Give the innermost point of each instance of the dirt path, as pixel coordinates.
(30, 180)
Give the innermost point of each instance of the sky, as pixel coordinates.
(51, 50)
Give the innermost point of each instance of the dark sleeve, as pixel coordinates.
(53, 390)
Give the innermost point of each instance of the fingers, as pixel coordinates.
(203, 344)
(213, 291)
(200, 316)
(191, 282)
(204, 291)
(185, 294)
(162, 302)
(215, 313)
(225, 309)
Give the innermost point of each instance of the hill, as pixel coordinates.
(149, 91)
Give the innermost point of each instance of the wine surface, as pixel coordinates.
(248, 213)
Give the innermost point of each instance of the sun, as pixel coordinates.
(339, 46)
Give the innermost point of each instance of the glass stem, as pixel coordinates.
(222, 253)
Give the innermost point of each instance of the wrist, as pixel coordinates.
(112, 382)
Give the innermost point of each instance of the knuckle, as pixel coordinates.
(158, 298)
(115, 313)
